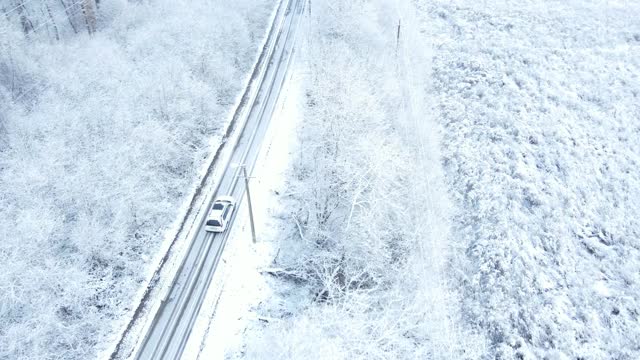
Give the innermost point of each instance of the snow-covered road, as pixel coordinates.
(169, 329)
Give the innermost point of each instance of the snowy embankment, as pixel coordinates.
(361, 260)
(539, 101)
(102, 141)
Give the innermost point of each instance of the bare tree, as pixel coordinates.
(53, 22)
(69, 16)
(27, 25)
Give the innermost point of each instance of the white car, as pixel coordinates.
(220, 214)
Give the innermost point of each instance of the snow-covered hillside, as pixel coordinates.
(539, 101)
(103, 138)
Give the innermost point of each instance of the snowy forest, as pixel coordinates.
(108, 111)
(465, 184)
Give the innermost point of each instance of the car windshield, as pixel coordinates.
(213, 222)
(218, 206)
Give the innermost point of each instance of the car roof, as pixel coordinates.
(216, 212)
(225, 202)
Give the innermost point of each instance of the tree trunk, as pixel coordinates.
(27, 25)
(89, 11)
(53, 22)
(66, 10)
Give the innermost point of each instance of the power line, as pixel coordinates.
(69, 15)
(17, 7)
(52, 19)
(31, 89)
(66, 8)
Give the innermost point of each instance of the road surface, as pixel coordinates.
(172, 324)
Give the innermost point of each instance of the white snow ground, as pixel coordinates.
(539, 102)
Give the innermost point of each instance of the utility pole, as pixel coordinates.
(398, 37)
(246, 184)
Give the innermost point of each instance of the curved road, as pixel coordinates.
(171, 326)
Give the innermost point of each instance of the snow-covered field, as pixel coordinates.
(102, 141)
(526, 114)
(541, 146)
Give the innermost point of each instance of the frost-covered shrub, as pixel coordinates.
(367, 234)
(102, 139)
